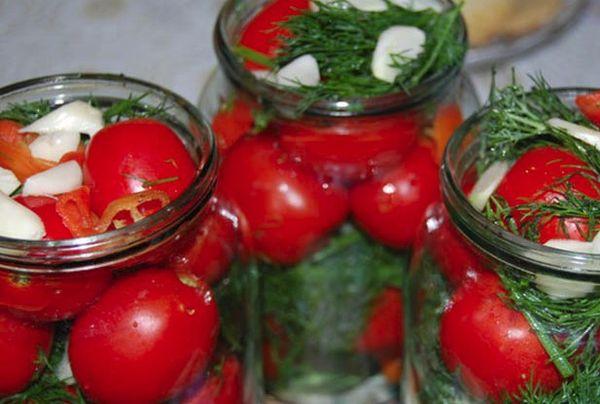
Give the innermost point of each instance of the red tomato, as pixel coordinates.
(133, 156)
(348, 148)
(232, 122)
(456, 258)
(491, 345)
(389, 207)
(223, 387)
(263, 33)
(145, 339)
(44, 297)
(275, 348)
(383, 336)
(287, 209)
(543, 175)
(45, 208)
(20, 345)
(589, 105)
(212, 249)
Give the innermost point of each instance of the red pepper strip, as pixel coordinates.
(130, 203)
(74, 209)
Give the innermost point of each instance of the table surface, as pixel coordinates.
(170, 43)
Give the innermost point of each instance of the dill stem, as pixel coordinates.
(250, 54)
(556, 355)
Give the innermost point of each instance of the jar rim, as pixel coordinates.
(427, 89)
(497, 242)
(194, 197)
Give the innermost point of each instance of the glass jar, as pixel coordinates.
(63, 290)
(484, 302)
(331, 286)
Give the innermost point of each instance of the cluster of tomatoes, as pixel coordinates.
(141, 335)
(482, 337)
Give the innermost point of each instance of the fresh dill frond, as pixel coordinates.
(133, 107)
(26, 112)
(570, 204)
(343, 39)
(516, 121)
(498, 211)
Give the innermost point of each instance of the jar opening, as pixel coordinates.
(460, 155)
(234, 16)
(82, 253)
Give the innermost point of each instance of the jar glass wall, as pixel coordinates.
(158, 283)
(485, 304)
(331, 257)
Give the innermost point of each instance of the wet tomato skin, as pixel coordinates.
(133, 156)
(390, 206)
(21, 342)
(288, 210)
(150, 332)
(224, 386)
(349, 148)
(491, 345)
(51, 297)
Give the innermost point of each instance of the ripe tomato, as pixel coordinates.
(233, 121)
(491, 345)
(383, 335)
(589, 105)
(45, 208)
(543, 175)
(263, 33)
(456, 258)
(348, 148)
(287, 209)
(20, 345)
(224, 386)
(213, 247)
(51, 297)
(149, 332)
(133, 156)
(390, 206)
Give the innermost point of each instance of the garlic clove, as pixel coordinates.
(65, 177)
(18, 221)
(52, 146)
(404, 41)
(8, 181)
(77, 116)
(300, 71)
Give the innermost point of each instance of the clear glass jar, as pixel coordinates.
(479, 296)
(52, 285)
(331, 287)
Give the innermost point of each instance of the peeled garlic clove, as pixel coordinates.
(419, 5)
(52, 146)
(300, 71)
(401, 40)
(65, 177)
(8, 181)
(586, 135)
(77, 116)
(18, 221)
(487, 184)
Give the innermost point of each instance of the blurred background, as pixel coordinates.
(170, 42)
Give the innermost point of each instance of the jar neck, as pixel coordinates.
(492, 240)
(229, 25)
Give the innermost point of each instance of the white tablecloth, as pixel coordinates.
(170, 42)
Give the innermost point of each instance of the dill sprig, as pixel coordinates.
(322, 303)
(498, 211)
(26, 112)
(571, 204)
(583, 388)
(133, 107)
(516, 121)
(343, 40)
(576, 319)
